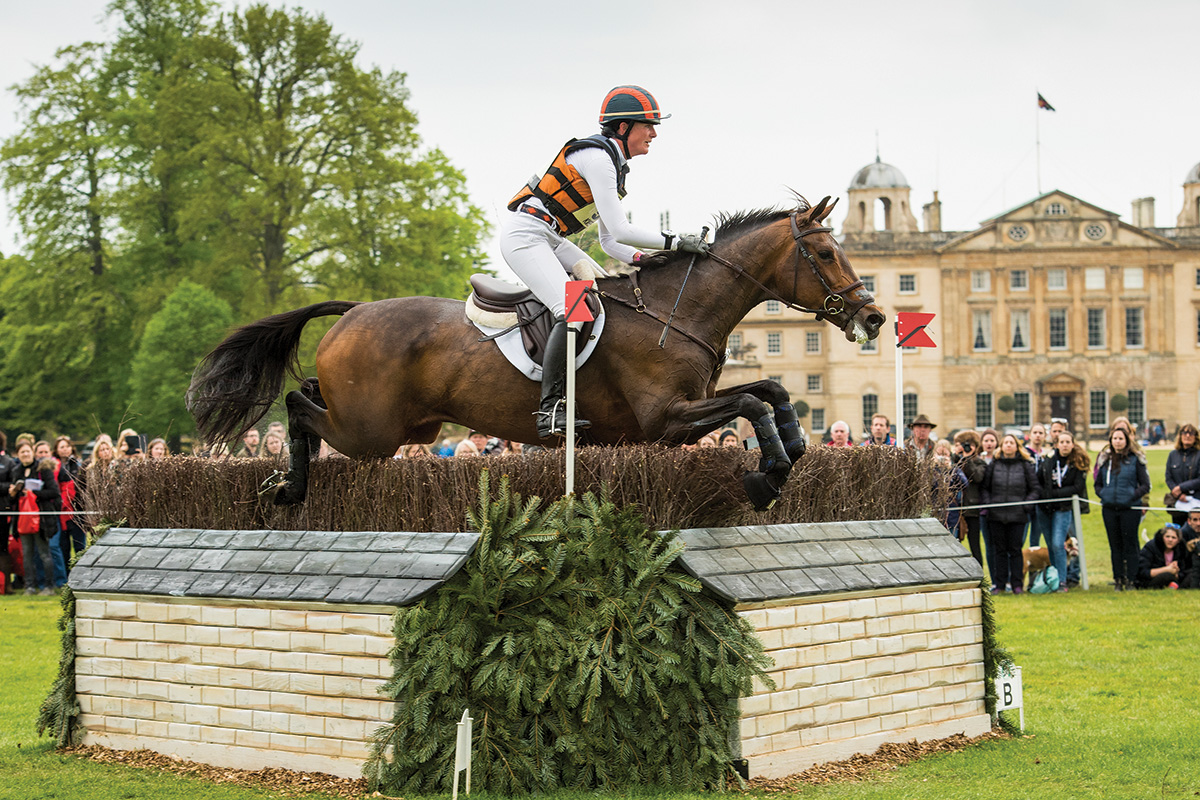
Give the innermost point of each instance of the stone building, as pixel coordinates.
(1055, 307)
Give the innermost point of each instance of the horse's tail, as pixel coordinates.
(234, 386)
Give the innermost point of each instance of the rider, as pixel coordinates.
(585, 182)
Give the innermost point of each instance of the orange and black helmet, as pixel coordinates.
(630, 104)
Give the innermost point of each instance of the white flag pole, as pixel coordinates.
(572, 330)
(899, 394)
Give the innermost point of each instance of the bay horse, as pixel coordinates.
(391, 372)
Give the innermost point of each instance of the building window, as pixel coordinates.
(1137, 406)
(870, 407)
(1021, 410)
(1134, 278)
(774, 343)
(1056, 280)
(1098, 408)
(773, 307)
(981, 331)
(1018, 280)
(1198, 277)
(910, 407)
(1097, 337)
(1093, 279)
(734, 346)
(814, 383)
(1198, 327)
(1135, 334)
(1058, 329)
(812, 341)
(1056, 210)
(983, 409)
(818, 419)
(777, 378)
(868, 282)
(981, 280)
(1020, 329)
(908, 284)
(869, 346)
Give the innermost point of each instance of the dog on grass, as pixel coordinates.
(1036, 559)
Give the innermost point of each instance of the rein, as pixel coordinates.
(835, 301)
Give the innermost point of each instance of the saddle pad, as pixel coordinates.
(513, 347)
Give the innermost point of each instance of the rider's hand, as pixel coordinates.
(692, 243)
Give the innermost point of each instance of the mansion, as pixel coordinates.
(1053, 308)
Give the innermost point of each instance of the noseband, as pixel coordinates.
(835, 301)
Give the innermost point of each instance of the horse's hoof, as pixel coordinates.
(278, 491)
(759, 489)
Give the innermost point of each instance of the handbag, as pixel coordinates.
(1045, 581)
(28, 523)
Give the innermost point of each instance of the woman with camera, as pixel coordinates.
(967, 458)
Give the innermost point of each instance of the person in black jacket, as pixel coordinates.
(1010, 478)
(1063, 475)
(37, 545)
(1121, 483)
(1160, 564)
(1183, 468)
(966, 457)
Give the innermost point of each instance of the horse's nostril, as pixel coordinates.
(875, 321)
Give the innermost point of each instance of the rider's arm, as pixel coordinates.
(619, 238)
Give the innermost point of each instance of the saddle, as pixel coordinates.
(498, 304)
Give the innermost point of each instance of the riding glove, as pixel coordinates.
(692, 243)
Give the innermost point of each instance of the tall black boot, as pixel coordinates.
(552, 413)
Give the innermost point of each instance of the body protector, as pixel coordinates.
(564, 192)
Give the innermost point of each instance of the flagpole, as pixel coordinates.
(1037, 143)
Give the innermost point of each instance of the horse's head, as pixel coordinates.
(821, 278)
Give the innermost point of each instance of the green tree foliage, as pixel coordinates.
(245, 151)
(191, 322)
(586, 658)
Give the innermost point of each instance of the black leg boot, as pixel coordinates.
(551, 414)
(787, 421)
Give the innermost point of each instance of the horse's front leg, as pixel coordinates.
(787, 421)
(774, 464)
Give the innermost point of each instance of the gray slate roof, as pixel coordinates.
(392, 569)
(766, 562)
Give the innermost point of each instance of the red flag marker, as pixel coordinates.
(910, 329)
(577, 307)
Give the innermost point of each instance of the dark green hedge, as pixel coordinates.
(586, 659)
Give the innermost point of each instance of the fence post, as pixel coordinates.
(1083, 576)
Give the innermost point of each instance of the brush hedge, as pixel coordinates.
(672, 488)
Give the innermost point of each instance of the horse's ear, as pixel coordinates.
(822, 211)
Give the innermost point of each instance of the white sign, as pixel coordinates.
(1008, 692)
(462, 752)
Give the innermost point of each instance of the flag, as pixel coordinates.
(1042, 103)
(910, 329)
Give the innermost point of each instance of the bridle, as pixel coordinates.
(835, 303)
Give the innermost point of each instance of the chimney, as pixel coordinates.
(1143, 212)
(933, 214)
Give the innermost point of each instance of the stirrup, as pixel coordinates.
(554, 422)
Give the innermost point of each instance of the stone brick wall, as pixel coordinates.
(233, 683)
(856, 670)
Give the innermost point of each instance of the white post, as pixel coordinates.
(1083, 578)
(462, 752)
(899, 395)
(572, 330)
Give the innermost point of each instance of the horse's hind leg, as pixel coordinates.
(303, 417)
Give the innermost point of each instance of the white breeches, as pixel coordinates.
(541, 258)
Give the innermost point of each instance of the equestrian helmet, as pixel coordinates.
(630, 104)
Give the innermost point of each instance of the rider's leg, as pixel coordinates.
(536, 254)
(551, 414)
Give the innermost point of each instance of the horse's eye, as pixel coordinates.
(825, 254)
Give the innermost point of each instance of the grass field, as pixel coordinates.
(1110, 692)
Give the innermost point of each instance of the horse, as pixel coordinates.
(391, 372)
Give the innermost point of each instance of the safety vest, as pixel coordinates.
(564, 192)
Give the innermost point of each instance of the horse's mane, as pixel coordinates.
(731, 225)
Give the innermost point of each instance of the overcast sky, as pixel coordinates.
(769, 96)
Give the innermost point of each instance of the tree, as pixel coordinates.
(191, 322)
